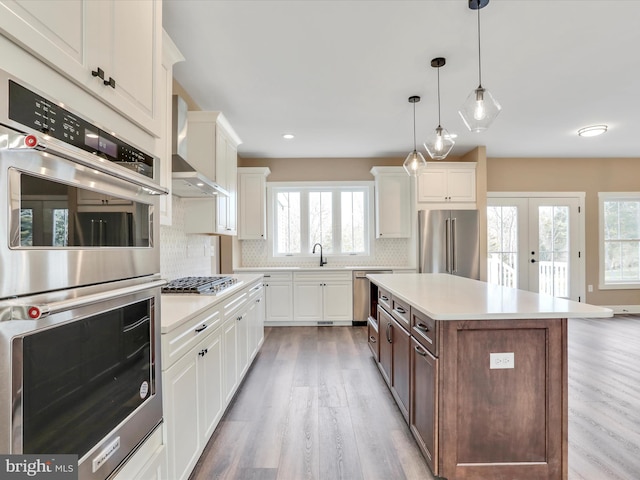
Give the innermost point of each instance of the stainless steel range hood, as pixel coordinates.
(187, 182)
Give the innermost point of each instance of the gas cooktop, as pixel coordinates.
(199, 285)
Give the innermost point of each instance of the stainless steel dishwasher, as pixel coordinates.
(361, 301)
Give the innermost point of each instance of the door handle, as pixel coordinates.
(447, 245)
(454, 261)
(533, 260)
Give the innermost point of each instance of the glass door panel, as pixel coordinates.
(533, 244)
(553, 247)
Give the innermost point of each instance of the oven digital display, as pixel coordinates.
(36, 112)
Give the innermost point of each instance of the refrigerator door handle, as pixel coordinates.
(454, 260)
(447, 245)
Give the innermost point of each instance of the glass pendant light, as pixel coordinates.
(480, 108)
(414, 160)
(439, 143)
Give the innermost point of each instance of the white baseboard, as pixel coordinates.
(623, 309)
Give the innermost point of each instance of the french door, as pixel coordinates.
(535, 243)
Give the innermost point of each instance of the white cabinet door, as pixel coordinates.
(119, 41)
(432, 185)
(125, 41)
(279, 300)
(337, 301)
(242, 342)
(211, 406)
(232, 188)
(393, 203)
(461, 184)
(307, 301)
(252, 208)
(230, 334)
(53, 31)
(255, 315)
(170, 56)
(181, 404)
(452, 182)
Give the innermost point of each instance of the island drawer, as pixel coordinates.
(384, 299)
(423, 329)
(401, 312)
(374, 337)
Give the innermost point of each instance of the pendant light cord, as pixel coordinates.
(439, 123)
(479, 60)
(414, 126)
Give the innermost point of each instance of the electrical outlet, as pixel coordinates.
(501, 360)
(590, 288)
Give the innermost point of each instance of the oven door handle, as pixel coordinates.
(19, 141)
(35, 312)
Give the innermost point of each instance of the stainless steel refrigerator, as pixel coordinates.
(449, 242)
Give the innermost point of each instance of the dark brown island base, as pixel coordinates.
(479, 372)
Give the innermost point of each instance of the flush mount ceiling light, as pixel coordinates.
(414, 160)
(439, 143)
(480, 108)
(592, 130)
(288, 136)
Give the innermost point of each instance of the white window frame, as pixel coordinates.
(603, 197)
(273, 187)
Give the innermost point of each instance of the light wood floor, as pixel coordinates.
(314, 406)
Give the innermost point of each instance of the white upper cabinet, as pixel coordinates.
(392, 202)
(212, 151)
(252, 218)
(447, 182)
(170, 56)
(111, 48)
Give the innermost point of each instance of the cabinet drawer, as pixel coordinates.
(423, 328)
(373, 337)
(255, 289)
(384, 299)
(326, 276)
(234, 304)
(401, 312)
(179, 341)
(277, 277)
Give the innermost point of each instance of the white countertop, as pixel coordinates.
(448, 297)
(320, 269)
(177, 308)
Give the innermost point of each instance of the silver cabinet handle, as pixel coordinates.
(419, 351)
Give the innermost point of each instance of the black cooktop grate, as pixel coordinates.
(198, 284)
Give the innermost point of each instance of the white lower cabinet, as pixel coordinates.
(278, 297)
(230, 337)
(322, 296)
(148, 463)
(307, 297)
(193, 403)
(204, 362)
(180, 400)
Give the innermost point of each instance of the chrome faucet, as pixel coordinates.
(322, 261)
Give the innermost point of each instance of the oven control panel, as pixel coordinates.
(46, 116)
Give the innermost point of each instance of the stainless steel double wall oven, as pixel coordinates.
(79, 286)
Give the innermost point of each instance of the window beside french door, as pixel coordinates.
(534, 243)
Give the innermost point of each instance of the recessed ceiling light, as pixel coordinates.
(288, 136)
(592, 131)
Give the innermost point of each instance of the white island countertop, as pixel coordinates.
(447, 297)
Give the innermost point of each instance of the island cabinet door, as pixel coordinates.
(424, 393)
(401, 366)
(384, 329)
(503, 399)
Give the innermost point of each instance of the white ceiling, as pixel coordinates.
(338, 74)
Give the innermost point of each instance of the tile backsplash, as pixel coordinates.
(183, 255)
(388, 252)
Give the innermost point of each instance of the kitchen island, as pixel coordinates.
(479, 371)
